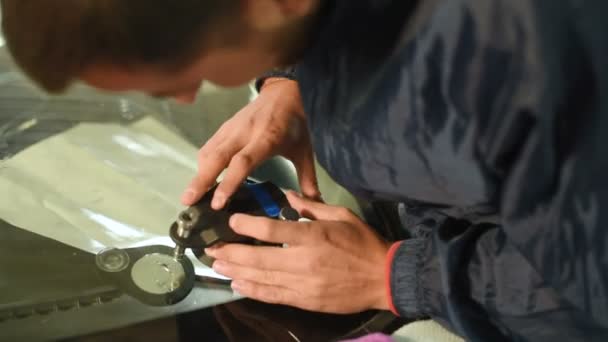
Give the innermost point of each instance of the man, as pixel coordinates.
(487, 119)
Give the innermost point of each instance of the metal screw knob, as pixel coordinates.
(289, 214)
(185, 222)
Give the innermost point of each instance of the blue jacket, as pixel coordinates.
(489, 118)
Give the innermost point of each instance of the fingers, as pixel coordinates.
(319, 211)
(241, 165)
(212, 160)
(193, 193)
(253, 135)
(307, 177)
(260, 257)
(239, 272)
(266, 293)
(269, 230)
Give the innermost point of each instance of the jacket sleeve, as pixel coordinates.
(540, 277)
(288, 73)
(542, 272)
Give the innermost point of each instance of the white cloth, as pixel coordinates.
(425, 331)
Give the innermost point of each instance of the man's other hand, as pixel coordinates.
(334, 263)
(273, 124)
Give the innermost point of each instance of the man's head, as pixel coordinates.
(161, 47)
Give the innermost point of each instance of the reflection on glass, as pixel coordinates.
(79, 174)
(118, 230)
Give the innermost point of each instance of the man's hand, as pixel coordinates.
(333, 264)
(273, 124)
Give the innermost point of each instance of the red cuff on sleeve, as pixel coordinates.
(387, 267)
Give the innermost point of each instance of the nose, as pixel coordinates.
(187, 97)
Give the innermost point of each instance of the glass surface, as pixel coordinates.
(85, 172)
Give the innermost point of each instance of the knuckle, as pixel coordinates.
(225, 127)
(269, 296)
(323, 235)
(264, 229)
(243, 160)
(253, 260)
(242, 256)
(308, 229)
(229, 253)
(313, 234)
(216, 155)
(220, 254)
(344, 213)
(313, 264)
(203, 152)
(269, 277)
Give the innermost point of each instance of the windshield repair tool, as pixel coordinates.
(150, 274)
(161, 275)
(199, 226)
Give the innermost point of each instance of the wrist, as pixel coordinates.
(288, 73)
(284, 93)
(274, 80)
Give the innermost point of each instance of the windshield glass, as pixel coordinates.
(79, 174)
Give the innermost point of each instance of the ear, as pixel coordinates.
(272, 15)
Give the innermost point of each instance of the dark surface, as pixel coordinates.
(251, 321)
(41, 275)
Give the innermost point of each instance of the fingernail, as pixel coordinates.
(210, 251)
(218, 201)
(232, 222)
(188, 196)
(236, 285)
(218, 266)
(236, 288)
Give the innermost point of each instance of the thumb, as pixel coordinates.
(197, 189)
(316, 210)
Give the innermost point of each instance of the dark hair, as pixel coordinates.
(53, 40)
